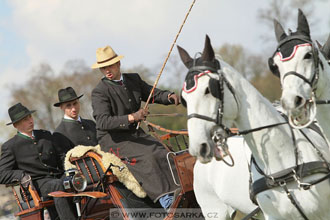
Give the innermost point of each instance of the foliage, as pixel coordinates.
(7, 201)
(286, 13)
(6, 131)
(253, 67)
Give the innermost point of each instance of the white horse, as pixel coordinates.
(305, 75)
(221, 189)
(218, 97)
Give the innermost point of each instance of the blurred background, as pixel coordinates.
(50, 44)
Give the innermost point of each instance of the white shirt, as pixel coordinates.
(27, 134)
(69, 118)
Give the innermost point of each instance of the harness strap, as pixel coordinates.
(293, 201)
(251, 214)
(288, 175)
(257, 129)
(322, 102)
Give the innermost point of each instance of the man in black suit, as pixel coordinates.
(30, 156)
(116, 102)
(73, 128)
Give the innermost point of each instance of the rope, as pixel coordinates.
(158, 127)
(168, 55)
(166, 115)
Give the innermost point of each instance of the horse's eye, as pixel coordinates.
(308, 55)
(207, 91)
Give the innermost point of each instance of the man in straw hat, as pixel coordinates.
(116, 102)
(30, 156)
(73, 129)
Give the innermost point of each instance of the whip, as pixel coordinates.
(168, 55)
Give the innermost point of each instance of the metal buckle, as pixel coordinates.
(305, 186)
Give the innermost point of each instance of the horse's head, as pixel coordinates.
(297, 62)
(204, 93)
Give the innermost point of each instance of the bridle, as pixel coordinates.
(218, 138)
(216, 88)
(294, 122)
(220, 96)
(316, 61)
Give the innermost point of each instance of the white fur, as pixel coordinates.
(272, 148)
(124, 176)
(221, 189)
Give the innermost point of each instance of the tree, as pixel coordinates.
(6, 131)
(40, 92)
(253, 67)
(286, 13)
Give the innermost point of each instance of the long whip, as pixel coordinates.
(168, 55)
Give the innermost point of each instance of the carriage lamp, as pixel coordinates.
(74, 181)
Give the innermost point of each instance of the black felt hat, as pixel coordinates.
(17, 112)
(66, 95)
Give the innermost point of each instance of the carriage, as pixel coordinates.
(101, 194)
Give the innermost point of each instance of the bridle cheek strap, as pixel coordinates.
(312, 83)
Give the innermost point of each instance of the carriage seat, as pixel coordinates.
(92, 162)
(31, 205)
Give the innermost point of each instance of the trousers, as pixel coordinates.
(64, 207)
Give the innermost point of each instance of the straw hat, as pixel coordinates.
(106, 56)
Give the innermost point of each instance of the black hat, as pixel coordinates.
(18, 112)
(66, 95)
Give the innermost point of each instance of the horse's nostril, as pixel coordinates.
(203, 150)
(299, 101)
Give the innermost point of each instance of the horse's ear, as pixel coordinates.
(303, 26)
(185, 57)
(326, 49)
(279, 31)
(208, 52)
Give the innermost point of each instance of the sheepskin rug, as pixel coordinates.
(124, 176)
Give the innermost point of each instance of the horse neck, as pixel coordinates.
(271, 148)
(323, 93)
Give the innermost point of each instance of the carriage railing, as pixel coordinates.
(29, 201)
(172, 140)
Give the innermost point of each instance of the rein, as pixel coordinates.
(218, 119)
(160, 128)
(279, 179)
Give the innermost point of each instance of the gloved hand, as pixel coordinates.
(173, 98)
(140, 115)
(26, 180)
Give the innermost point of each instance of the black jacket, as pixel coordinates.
(112, 103)
(78, 133)
(145, 156)
(36, 157)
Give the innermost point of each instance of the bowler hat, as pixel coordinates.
(106, 56)
(17, 112)
(66, 95)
